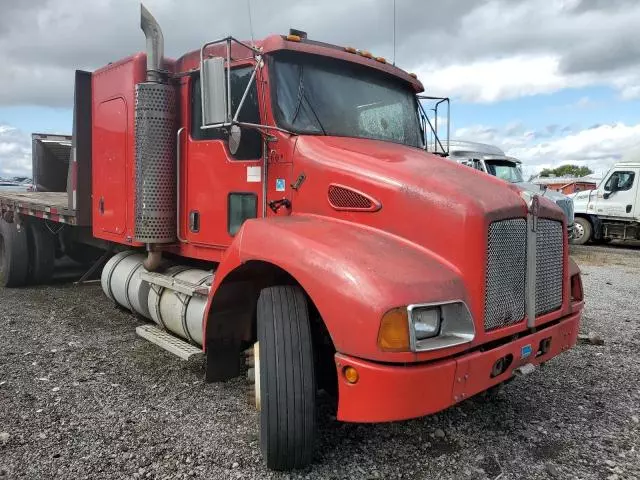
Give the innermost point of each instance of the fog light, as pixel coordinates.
(351, 374)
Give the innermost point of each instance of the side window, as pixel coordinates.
(251, 143)
(620, 181)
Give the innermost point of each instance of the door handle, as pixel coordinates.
(194, 221)
(629, 208)
(101, 205)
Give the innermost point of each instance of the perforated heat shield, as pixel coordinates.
(155, 167)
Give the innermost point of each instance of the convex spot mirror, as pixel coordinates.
(235, 135)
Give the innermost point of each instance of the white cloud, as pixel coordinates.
(482, 50)
(598, 147)
(15, 152)
(496, 79)
(506, 50)
(493, 80)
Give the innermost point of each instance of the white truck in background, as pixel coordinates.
(612, 211)
(492, 160)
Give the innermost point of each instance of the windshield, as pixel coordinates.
(325, 96)
(505, 170)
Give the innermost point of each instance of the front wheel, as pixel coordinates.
(286, 378)
(582, 231)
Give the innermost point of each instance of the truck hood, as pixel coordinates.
(435, 207)
(413, 172)
(433, 202)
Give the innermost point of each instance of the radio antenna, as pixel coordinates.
(253, 43)
(394, 32)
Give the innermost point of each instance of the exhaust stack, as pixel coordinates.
(155, 44)
(155, 132)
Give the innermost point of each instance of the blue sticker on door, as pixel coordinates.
(280, 185)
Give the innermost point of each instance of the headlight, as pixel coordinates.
(425, 321)
(440, 325)
(423, 327)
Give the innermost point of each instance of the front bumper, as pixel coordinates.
(386, 392)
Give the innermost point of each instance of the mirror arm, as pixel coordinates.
(246, 90)
(424, 123)
(266, 127)
(229, 78)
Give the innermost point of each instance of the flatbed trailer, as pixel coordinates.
(52, 206)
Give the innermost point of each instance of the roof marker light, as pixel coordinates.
(350, 50)
(413, 75)
(381, 59)
(365, 54)
(293, 38)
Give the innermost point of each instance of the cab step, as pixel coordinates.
(168, 342)
(175, 284)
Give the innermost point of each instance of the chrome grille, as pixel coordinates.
(506, 270)
(549, 246)
(505, 275)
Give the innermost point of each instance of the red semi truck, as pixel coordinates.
(281, 195)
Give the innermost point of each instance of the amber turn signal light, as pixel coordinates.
(393, 335)
(350, 374)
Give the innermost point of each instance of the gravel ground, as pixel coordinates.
(81, 396)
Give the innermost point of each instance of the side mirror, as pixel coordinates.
(235, 134)
(606, 195)
(213, 92)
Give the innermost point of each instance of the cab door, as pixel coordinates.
(617, 197)
(220, 190)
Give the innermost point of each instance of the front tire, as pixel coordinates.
(582, 232)
(287, 381)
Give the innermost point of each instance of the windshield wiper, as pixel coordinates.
(301, 97)
(316, 115)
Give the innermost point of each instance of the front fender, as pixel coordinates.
(353, 274)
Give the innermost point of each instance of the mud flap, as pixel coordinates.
(223, 360)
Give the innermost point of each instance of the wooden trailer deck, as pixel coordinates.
(53, 206)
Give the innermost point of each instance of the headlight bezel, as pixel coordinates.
(456, 326)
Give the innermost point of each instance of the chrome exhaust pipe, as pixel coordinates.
(155, 44)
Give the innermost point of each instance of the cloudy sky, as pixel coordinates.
(550, 81)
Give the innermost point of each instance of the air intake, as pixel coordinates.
(346, 199)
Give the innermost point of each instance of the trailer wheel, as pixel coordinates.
(287, 382)
(582, 232)
(42, 252)
(14, 255)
